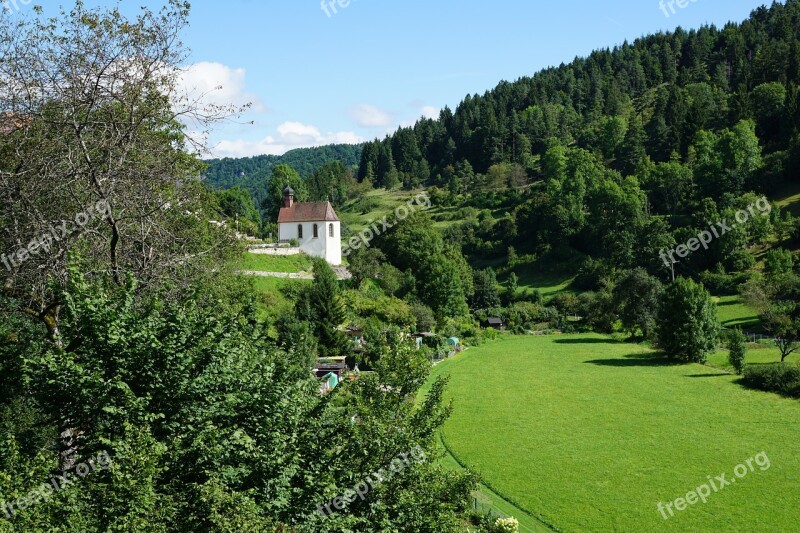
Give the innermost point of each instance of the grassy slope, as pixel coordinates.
(489, 501)
(734, 313)
(548, 282)
(273, 303)
(591, 434)
(789, 199)
(381, 203)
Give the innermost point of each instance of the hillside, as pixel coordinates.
(614, 157)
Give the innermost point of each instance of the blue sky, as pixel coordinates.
(376, 64)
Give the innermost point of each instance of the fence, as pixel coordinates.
(756, 338)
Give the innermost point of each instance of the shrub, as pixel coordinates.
(778, 261)
(367, 204)
(506, 525)
(566, 302)
(781, 378)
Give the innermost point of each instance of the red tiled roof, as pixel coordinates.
(308, 212)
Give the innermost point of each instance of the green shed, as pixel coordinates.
(332, 379)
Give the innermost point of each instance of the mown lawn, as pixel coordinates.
(274, 263)
(589, 434)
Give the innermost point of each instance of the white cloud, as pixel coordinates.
(369, 116)
(288, 136)
(429, 111)
(217, 84)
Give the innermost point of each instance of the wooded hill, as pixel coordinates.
(253, 173)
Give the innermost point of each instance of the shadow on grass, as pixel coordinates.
(708, 375)
(749, 322)
(587, 341)
(638, 359)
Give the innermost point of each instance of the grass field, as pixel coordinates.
(589, 434)
(274, 263)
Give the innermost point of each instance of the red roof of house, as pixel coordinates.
(308, 212)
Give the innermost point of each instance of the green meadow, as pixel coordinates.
(587, 433)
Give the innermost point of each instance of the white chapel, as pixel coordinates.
(314, 225)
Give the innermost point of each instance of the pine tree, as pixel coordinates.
(511, 289)
(328, 311)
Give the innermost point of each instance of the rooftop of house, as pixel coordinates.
(308, 212)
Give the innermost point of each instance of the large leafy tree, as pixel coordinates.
(688, 327)
(440, 271)
(94, 157)
(636, 297)
(486, 295)
(237, 205)
(777, 299)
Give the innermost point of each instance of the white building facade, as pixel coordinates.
(314, 225)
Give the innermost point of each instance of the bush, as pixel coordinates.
(367, 204)
(566, 302)
(506, 525)
(738, 350)
(781, 378)
(778, 261)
